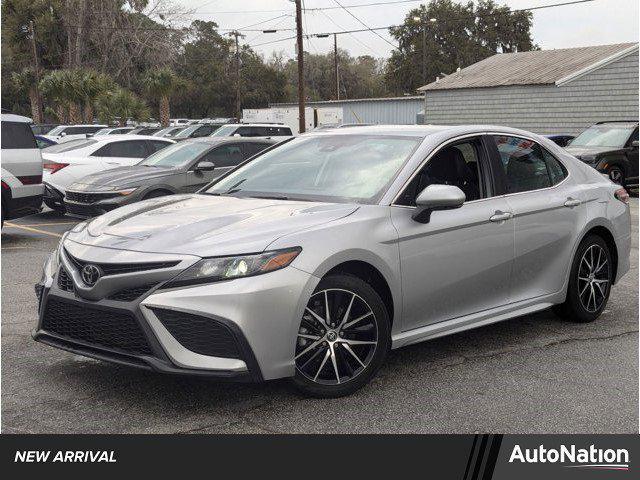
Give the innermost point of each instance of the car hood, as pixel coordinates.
(122, 176)
(205, 225)
(579, 151)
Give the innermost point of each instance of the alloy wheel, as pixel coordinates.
(615, 174)
(337, 339)
(594, 278)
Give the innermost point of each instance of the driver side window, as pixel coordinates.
(458, 164)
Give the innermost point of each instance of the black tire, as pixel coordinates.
(579, 290)
(617, 175)
(156, 194)
(56, 208)
(340, 289)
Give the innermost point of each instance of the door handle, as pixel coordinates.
(500, 216)
(572, 202)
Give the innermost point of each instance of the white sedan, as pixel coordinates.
(68, 162)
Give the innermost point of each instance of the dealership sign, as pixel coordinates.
(573, 457)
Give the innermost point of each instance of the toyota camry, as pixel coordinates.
(315, 258)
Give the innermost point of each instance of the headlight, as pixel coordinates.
(125, 191)
(226, 268)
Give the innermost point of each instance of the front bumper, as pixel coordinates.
(243, 330)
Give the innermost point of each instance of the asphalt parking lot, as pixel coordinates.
(531, 374)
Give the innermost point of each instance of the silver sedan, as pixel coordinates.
(315, 258)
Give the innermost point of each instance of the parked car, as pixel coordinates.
(196, 131)
(65, 133)
(43, 142)
(316, 257)
(113, 131)
(43, 128)
(561, 139)
(181, 122)
(168, 132)
(181, 168)
(253, 130)
(610, 148)
(21, 168)
(68, 162)
(143, 131)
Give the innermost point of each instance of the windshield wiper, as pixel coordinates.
(270, 197)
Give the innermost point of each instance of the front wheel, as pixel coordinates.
(590, 281)
(343, 338)
(616, 175)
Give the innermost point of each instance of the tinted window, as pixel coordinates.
(133, 149)
(225, 156)
(155, 145)
(633, 138)
(253, 148)
(247, 132)
(81, 130)
(203, 131)
(17, 135)
(527, 166)
(457, 165)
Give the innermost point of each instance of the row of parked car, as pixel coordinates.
(98, 168)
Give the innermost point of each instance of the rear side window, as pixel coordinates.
(17, 135)
(130, 149)
(527, 166)
(81, 130)
(253, 148)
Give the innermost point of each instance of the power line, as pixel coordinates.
(365, 25)
(350, 34)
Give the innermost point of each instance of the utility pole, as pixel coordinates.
(237, 35)
(302, 121)
(424, 53)
(36, 70)
(335, 65)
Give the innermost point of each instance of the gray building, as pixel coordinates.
(546, 91)
(390, 111)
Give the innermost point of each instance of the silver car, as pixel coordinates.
(315, 258)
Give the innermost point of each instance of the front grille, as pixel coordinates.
(64, 281)
(130, 294)
(88, 197)
(103, 328)
(118, 268)
(85, 211)
(200, 334)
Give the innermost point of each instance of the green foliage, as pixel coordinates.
(462, 34)
(160, 82)
(123, 104)
(24, 81)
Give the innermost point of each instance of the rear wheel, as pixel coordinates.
(343, 338)
(590, 281)
(616, 174)
(56, 208)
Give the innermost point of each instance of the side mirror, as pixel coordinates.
(437, 197)
(205, 166)
(236, 135)
(63, 134)
(635, 144)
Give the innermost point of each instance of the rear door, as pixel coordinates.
(548, 214)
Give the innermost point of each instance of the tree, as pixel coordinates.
(461, 34)
(161, 83)
(121, 104)
(53, 87)
(92, 85)
(26, 82)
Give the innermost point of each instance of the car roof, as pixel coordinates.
(119, 137)
(256, 125)
(215, 140)
(10, 117)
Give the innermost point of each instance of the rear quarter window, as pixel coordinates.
(17, 135)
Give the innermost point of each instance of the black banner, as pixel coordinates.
(460, 457)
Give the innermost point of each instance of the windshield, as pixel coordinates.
(187, 131)
(328, 167)
(68, 146)
(176, 154)
(57, 130)
(603, 136)
(224, 131)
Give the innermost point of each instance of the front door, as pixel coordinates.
(458, 263)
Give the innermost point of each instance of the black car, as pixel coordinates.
(184, 167)
(561, 139)
(196, 130)
(611, 148)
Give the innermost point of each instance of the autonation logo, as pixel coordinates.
(573, 457)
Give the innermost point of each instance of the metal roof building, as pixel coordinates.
(544, 91)
(389, 111)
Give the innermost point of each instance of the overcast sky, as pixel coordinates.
(592, 23)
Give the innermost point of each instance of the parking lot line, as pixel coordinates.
(35, 230)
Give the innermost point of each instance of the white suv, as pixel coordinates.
(65, 133)
(253, 130)
(21, 168)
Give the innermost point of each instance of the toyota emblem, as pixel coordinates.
(90, 274)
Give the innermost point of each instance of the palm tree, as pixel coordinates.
(161, 83)
(92, 85)
(53, 86)
(122, 104)
(74, 93)
(26, 81)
